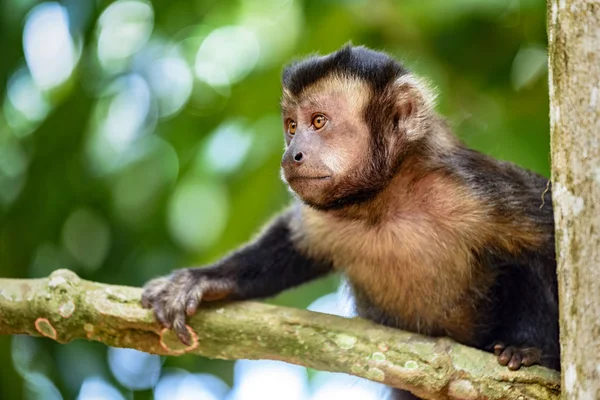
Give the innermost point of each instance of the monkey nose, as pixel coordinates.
(299, 158)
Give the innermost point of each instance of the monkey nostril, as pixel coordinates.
(298, 157)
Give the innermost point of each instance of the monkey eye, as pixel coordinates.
(291, 127)
(319, 121)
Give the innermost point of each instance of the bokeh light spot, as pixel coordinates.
(39, 387)
(328, 304)
(78, 362)
(265, 19)
(269, 380)
(124, 27)
(226, 148)
(26, 97)
(127, 112)
(96, 388)
(48, 258)
(122, 116)
(529, 65)
(86, 236)
(328, 385)
(13, 160)
(197, 214)
(137, 188)
(227, 55)
(13, 167)
(181, 385)
(134, 369)
(171, 82)
(24, 350)
(49, 49)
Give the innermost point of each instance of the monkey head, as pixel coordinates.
(350, 118)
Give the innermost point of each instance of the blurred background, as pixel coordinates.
(137, 137)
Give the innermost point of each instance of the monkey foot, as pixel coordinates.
(516, 356)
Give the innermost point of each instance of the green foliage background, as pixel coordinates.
(182, 192)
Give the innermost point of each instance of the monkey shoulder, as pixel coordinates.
(518, 201)
(502, 182)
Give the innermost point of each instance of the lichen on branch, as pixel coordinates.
(64, 307)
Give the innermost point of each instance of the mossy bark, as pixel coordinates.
(574, 46)
(64, 307)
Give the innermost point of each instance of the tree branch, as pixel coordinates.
(64, 307)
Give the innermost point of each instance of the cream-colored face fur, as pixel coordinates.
(336, 149)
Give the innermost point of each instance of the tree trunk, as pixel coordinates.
(574, 45)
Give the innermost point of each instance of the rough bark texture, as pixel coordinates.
(64, 307)
(574, 36)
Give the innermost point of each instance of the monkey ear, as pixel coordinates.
(414, 100)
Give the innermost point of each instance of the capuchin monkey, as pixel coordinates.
(433, 237)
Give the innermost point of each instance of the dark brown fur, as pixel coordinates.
(433, 237)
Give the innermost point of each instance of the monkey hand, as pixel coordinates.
(178, 295)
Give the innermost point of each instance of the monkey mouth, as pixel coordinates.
(308, 178)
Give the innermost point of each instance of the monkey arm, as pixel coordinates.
(266, 266)
(262, 268)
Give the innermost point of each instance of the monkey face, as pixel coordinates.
(350, 120)
(327, 139)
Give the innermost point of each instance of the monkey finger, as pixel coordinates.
(528, 360)
(531, 356)
(149, 295)
(146, 301)
(499, 348)
(192, 305)
(159, 314)
(154, 288)
(181, 329)
(185, 337)
(515, 362)
(505, 357)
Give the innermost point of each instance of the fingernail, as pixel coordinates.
(184, 339)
